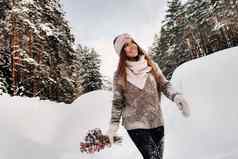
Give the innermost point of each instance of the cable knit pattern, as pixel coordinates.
(140, 108)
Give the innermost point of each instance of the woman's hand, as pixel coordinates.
(111, 132)
(182, 105)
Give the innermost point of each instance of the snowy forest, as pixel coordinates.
(195, 29)
(38, 57)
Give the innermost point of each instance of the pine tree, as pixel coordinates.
(5, 62)
(195, 29)
(170, 39)
(91, 79)
(171, 19)
(106, 83)
(3, 84)
(40, 59)
(225, 14)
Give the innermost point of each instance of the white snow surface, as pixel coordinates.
(32, 128)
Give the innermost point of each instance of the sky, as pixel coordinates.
(95, 23)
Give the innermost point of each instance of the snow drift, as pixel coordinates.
(31, 128)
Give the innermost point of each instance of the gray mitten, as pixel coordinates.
(182, 104)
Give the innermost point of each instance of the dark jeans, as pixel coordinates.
(150, 142)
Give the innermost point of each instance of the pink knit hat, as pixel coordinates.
(120, 41)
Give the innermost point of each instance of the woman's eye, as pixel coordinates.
(129, 43)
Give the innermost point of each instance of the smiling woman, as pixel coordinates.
(137, 86)
(131, 50)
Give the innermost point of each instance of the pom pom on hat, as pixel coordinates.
(120, 40)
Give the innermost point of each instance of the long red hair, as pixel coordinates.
(121, 67)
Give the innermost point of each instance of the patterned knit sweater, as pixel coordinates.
(140, 108)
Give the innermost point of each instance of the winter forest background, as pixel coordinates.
(39, 56)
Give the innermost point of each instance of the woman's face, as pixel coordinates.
(131, 49)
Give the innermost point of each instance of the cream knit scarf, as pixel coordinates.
(137, 71)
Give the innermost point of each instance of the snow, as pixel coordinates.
(218, 26)
(210, 85)
(171, 49)
(1, 91)
(33, 26)
(27, 2)
(47, 29)
(30, 60)
(33, 128)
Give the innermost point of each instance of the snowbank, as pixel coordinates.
(31, 128)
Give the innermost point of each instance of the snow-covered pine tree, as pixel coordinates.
(106, 83)
(5, 56)
(90, 76)
(155, 46)
(195, 29)
(224, 14)
(168, 46)
(3, 84)
(160, 44)
(171, 20)
(40, 50)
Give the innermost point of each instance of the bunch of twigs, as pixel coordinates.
(95, 141)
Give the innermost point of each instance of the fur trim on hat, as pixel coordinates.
(120, 41)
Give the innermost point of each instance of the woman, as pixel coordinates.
(137, 86)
